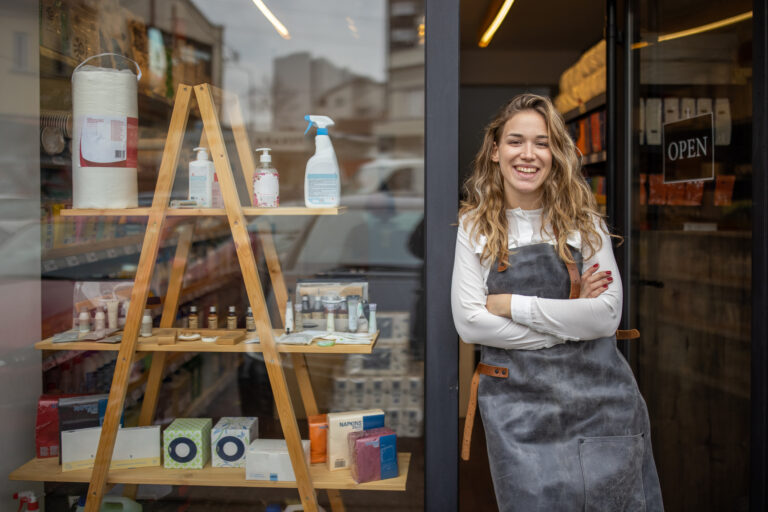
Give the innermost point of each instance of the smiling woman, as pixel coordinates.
(565, 423)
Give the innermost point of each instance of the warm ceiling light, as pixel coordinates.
(695, 30)
(272, 19)
(707, 27)
(485, 40)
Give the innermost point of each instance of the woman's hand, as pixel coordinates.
(593, 283)
(499, 304)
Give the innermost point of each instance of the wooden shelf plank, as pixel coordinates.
(199, 212)
(48, 470)
(149, 345)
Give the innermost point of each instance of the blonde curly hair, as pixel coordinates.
(567, 201)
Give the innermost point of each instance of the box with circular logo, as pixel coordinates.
(230, 439)
(186, 443)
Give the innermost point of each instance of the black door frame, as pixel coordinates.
(441, 404)
(758, 499)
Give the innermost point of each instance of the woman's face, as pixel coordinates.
(525, 159)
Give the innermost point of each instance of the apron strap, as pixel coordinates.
(469, 421)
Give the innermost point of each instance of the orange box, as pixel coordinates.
(318, 437)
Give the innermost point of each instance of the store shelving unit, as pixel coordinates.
(307, 479)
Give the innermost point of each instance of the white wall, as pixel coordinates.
(20, 369)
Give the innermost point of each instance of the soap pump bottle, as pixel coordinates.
(266, 182)
(322, 184)
(201, 172)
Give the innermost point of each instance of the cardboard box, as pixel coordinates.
(318, 437)
(230, 439)
(187, 443)
(340, 425)
(373, 454)
(135, 447)
(268, 459)
(47, 426)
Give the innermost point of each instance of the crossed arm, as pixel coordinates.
(523, 322)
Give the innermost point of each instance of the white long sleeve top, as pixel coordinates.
(536, 322)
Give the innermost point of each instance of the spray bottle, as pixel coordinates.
(201, 173)
(27, 501)
(322, 184)
(266, 183)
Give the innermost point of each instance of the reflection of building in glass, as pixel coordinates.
(306, 85)
(303, 85)
(402, 134)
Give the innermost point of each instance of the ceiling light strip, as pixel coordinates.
(272, 19)
(695, 30)
(485, 40)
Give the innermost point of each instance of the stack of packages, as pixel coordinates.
(387, 378)
(357, 440)
(69, 427)
(584, 80)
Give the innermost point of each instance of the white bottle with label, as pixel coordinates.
(217, 200)
(266, 182)
(322, 184)
(201, 173)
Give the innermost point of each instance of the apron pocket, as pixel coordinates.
(612, 468)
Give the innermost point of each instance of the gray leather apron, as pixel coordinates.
(567, 429)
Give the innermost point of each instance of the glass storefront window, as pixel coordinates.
(359, 63)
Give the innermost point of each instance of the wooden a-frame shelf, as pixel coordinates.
(150, 345)
(48, 470)
(200, 212)
(307, 478)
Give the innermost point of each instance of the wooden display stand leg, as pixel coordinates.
(300, 367)
(128, 345)
(170, 306)
(256, 297)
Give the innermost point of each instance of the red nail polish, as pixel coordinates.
(595, 265)
(605, 286)
(608, 272)
(610, 279)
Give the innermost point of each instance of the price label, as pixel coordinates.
(72, 261)
(50, 266)
(112, 253)
(91, 257)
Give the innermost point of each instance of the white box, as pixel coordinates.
(341, 392)
(411, 422)
(230, 439)
(135, 447)
(340, 424)
(414, 390)
(393, 420)
(268, 459)
(397, 395)
(356, 396)
(377, 392)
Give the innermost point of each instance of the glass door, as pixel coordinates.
(691, 238)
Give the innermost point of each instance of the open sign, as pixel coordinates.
(689, 150)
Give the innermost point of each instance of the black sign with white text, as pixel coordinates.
(689, 149)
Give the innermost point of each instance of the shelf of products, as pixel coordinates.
(590, 105)
(48, 470)
(148, 345)
(202, 212)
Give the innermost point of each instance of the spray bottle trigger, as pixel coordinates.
(309, 126)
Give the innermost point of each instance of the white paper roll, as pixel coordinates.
(105, 138)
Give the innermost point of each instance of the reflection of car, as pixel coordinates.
(370, 239)
(393, 175)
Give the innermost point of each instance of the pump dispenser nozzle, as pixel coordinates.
(322, 123)
(202, 153)
(265, 156)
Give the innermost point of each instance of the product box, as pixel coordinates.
(82, 411)
(230, 439)
(340, 424)
(318, 437)
(268, 459)
(377, 392)
(186, 443)
(356, 397)
(411, 422)
(135, 447)
(47, 426)
(373, 454)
